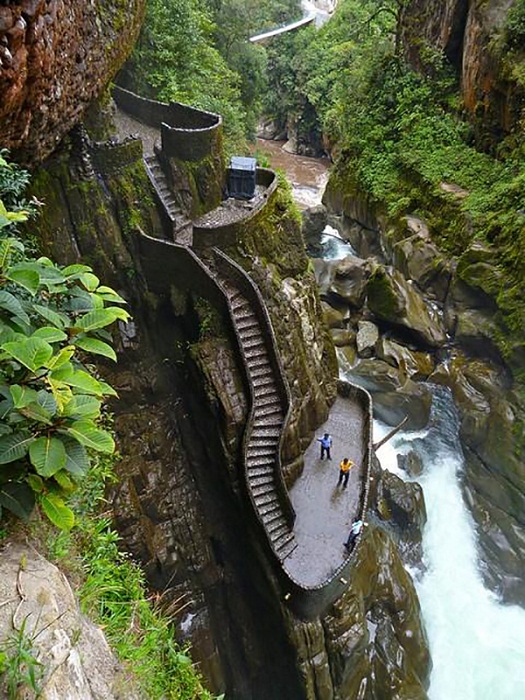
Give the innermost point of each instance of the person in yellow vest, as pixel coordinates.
(344, 471)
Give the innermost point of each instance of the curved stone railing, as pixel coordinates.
(163, 261)
(310, 601)
(209, 232)
(242, 281)
(187, 133)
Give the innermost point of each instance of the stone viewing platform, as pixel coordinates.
(325, 511)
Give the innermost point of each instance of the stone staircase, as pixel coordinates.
(182, 227)
(262, 442)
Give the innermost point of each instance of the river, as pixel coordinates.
(308, 176)
(477, 643)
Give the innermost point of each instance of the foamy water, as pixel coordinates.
(477, 644)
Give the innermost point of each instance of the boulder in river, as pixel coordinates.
(412, 401)
(366, 339)
(349, 283)
(399, 304)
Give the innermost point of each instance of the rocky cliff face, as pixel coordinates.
(472, 36)
(55, 57)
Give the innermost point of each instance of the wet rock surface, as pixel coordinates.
(56, 57)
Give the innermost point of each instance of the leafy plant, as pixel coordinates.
(19, 666)
(51, 320)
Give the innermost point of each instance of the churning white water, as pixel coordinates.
(477, 644)
(333, 247)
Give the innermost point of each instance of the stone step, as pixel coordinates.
(261, 442)
(254, 355)
(268, 499)
(247, 323)
(267, 510)
(259, 482)
(260, 363)
(261, 382)
(267, 390)
(277, 529)
(259, 471)
(248, 332)
(286, 546)
(263, 411)
(260, 461)
(271, 517)
(243, 311)
(263, 490)
(240, 303)
(264, 370)
(256, 452)
(255, 343)
(267, 432)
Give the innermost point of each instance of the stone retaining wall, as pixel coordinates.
(187, 133)
(226, 234)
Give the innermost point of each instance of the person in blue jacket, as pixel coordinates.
(326, 444)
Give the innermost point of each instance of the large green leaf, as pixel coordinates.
(64, 481)
(77, 462)
(25, 277)
(110, 295)
(73, 271)
(47, 401)
(56, 318)
(98, 347)
(33, 353)
(7, 245)
(61, 358)
(86, 432)
(90, 281)
(18, 498)
(12, 304)
(57, 511)
(82, 406)
(50, 334)
(47, 455)
(14, 446)
(22, 395)
(97, 319)
(78, 379)
(49, 274)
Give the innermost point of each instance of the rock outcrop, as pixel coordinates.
(55, 58)
(474, 38)
(461, 345)
(71, 657)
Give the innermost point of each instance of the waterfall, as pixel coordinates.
(477, 644)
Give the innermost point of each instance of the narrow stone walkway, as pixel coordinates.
(128, 126)
(324, 510)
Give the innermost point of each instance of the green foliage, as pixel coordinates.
(113, 594)
(515, 26)
(20, 669)
(51, 319)
(399, 135)
(175, 60)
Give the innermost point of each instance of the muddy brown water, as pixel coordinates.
(308, 176)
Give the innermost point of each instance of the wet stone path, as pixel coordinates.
(324, 510)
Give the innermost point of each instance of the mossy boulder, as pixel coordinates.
(400, 305)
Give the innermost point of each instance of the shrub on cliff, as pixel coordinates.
(51, 320)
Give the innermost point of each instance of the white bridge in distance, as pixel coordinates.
(281, 30)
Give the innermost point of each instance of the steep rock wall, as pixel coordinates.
(470, 35)
(55, 57)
